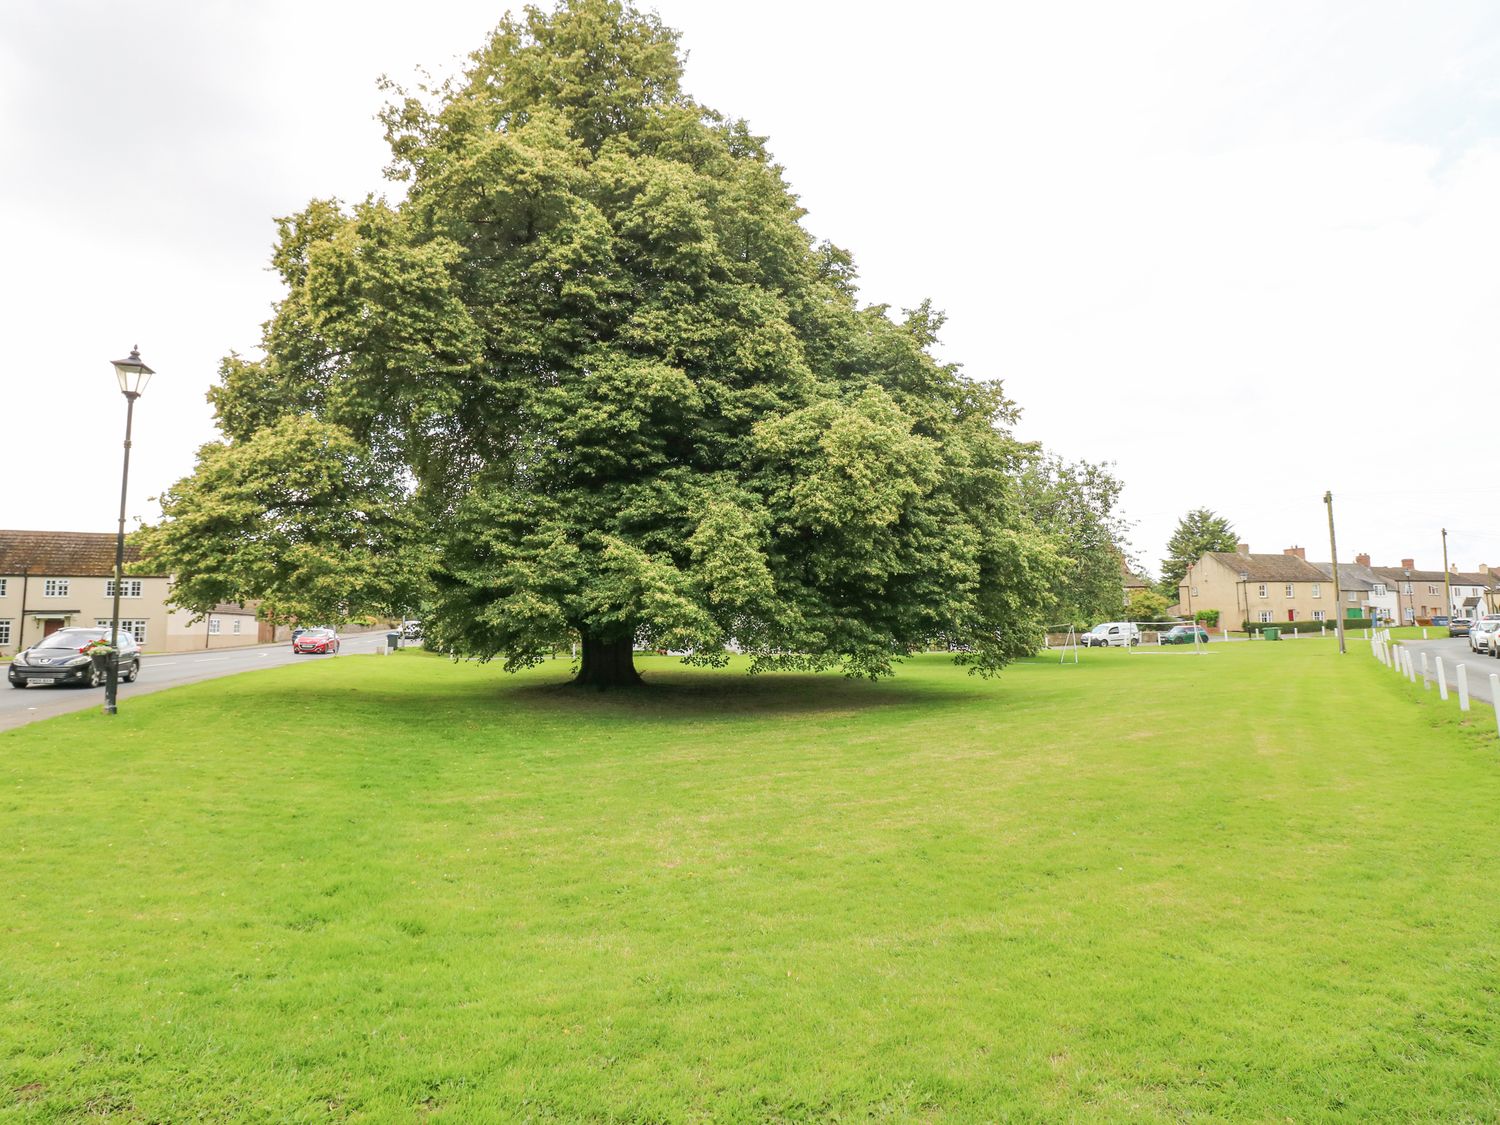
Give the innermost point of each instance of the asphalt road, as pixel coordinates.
(1455, 651)
(168, 669)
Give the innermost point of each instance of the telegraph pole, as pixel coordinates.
(1447, 581)
(1338, 597)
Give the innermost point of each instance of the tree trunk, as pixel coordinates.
(607, 664)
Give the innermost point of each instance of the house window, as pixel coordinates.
(1353, 597)
(2, 587)
(1378, 589)
(1411, 613)
(1406, 587)
(1194, 590)
(1291, 591)
(135, 627)
(130, 588)
(55, 588)
(1431, 589)
(235, 626)
(213, 626)
(1320, 615)
(1263, 591)
(1265, 617)
(1317, 590)
(4, 632)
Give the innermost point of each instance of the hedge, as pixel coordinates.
(1303, 626)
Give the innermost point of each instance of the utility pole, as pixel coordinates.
(1447, 580)
(1338, 597)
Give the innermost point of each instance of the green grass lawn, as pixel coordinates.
(1262, 883)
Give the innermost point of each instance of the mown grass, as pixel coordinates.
(1254, 884)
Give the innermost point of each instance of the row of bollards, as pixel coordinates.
(1399, 657)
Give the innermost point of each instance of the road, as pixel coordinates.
(165, 670)
(1455, 651)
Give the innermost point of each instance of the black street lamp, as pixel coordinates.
(133, 376)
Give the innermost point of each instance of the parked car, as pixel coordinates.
(1111, 634)
(62, 659)
(317, 640)
(1184, 635)
(1458, 626)
(1482, 634)
(411, 630)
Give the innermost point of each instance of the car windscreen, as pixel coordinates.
(73, 638)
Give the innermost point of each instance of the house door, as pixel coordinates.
(1291, 615)
(50, 625)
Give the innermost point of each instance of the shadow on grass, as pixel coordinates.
(668, 694)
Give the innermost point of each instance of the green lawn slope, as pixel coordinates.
(1260, 883)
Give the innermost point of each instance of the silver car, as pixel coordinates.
(1483, 634)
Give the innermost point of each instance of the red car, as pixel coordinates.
(317, 640)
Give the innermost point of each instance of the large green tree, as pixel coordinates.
(1077, 505)
(1197, 533)
(628, 397)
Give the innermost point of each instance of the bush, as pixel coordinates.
(1209, 617)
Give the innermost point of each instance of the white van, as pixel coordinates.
(1112, 634)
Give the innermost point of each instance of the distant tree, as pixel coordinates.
(620, 389)
(1148, 605)
(1076, 504)
(1198, 532)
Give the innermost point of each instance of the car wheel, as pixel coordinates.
(96, 677)
(17, 684)
(134, 673)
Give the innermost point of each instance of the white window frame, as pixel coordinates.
(1431, 589)
(1411, 613)
(1265, 617)
(235, 626)
(135, 626)
(214, 625)
(1291, 591)
(1378, 589)
(1320, 615)
(1317, 589)
(1265, 591)
(129, 588)
(5, 630)
(1406, 587)
(55, 588)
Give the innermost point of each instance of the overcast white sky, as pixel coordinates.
(1206, 242)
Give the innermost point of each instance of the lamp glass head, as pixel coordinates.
(132, 373)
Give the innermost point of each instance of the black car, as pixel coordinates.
(62, 659)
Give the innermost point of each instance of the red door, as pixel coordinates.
(1291, 615)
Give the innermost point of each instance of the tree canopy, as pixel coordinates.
(594, 356)
(1197, 533)
(1077, 505)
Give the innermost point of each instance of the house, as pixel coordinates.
(1361, 593)
(1132, 584)
(51, 580)
(1259, 588)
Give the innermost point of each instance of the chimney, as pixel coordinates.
(1483, 569)
(1361, 560)
(1299, 552)
(1408, 564)
(1242, 548)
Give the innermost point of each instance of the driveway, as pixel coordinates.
(165, 670)
(1455, 651)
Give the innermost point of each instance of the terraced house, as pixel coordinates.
(50, 580)
(1259, 588)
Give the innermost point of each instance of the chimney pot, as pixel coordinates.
(1408, 564)
(1299, 552)
(1361, 560)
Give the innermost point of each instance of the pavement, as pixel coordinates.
(165, 670)
(1455, 651)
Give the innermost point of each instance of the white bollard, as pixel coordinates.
(1426, 674)
(1463, 686)
(1411, 667)
(1442, 674)
(1495, 695)
(1424, 632)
